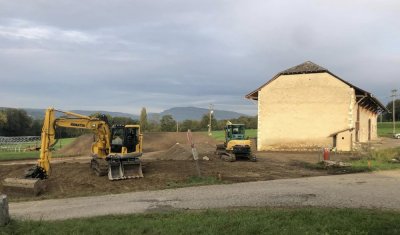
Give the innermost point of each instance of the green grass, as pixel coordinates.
(386, 128)
(374, 161)
(220, 135)
(379, 160)
(233, 221)
(7, 156)
(63, 142)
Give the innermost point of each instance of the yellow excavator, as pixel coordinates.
(116, 151)
(235, 145)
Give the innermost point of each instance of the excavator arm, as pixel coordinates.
(121, 164)
(100, 128)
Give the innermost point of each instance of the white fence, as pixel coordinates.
(19, 143)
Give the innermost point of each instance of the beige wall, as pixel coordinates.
(365, 116)
(302, 111)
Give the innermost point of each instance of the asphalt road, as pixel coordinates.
(368, 190)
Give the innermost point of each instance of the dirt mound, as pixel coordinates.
(152, 142)
(184, 152)
(157, 141)
(80, 146)
(178, 152)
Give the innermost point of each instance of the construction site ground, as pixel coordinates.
(167, 163)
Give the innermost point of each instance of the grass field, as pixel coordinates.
(5, 156)
(220, 135)
(386, 128)
(234, 221)
(378, 160)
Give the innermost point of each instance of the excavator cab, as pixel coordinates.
(234, 132)
(126, 150)
(235, 145)
(124, 137)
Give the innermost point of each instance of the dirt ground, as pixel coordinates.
(166, 164)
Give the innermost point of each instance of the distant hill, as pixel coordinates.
(178, 113)
(39, 113)
(193, 113)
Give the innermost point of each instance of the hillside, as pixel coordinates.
(38, 113)
(179, 113)
(194, 113)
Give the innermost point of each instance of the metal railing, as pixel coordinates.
(19, 143)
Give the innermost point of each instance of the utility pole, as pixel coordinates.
(394, 95)
(211, 111)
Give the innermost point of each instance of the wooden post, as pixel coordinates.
(4, 215)
(194, 152)
(394, 110)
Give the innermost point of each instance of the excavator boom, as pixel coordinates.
(117, 159)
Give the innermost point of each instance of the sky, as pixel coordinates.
(125, 55)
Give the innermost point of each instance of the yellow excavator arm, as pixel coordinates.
(115, 151)
(101, 147)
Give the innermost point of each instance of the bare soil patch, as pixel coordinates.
(80, 146)
(165, 164)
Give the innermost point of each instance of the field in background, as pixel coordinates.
(4, 156)
(220, 135)
(234, 221)
(385, 129)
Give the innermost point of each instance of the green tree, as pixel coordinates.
(106, 117)
(220, 124)
(153, 125)
(388, 117)
(3, 121)
(167, 123)
(36, 128)
(205, 121)
(193, 125)
(124, 121)
(3, 118)
(143, 119)
(18, 122)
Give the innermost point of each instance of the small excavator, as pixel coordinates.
(116, 151)
(235, 145)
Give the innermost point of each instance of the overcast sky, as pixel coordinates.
(124, 55)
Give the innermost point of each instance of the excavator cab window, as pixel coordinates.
(117, 138)
(131, 139)
(124, 137)
(235, 132)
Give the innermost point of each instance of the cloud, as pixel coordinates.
(24, 30)
(162, 54)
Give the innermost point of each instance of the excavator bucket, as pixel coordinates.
(115, 170)
(19, 186)
(132, 168)
(124, 168)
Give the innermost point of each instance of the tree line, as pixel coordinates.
(16, 122)
(388, 117)
(168, 123)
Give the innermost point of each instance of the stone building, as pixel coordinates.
(307, 107)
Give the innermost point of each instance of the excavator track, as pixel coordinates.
(99, 166)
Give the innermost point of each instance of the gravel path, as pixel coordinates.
(368, 190)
